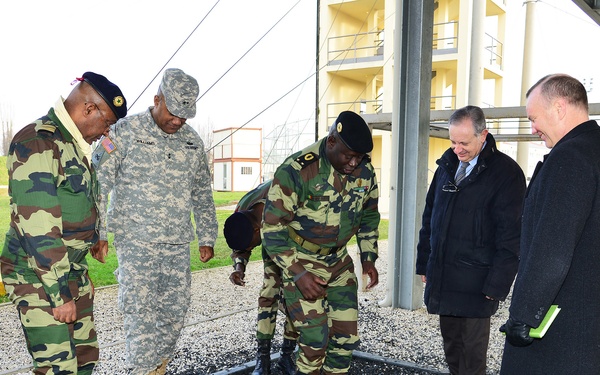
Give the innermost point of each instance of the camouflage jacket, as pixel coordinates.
(249, 200)
(157, 180)
(53, 213)
(321, 205)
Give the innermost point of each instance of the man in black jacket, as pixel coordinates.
(468, 250)
(560, 237)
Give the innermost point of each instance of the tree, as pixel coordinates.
(206, 131)
(6, 127)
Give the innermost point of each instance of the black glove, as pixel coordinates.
(517, 333)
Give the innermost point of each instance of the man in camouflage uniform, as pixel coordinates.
(53, 225)
(156, 167)
(242, 231)
(321, 197)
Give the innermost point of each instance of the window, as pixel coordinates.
(247, 170)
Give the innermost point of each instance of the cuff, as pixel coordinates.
(368, 257)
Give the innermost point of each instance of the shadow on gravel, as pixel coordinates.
(362, 364)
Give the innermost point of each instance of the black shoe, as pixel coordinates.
(263, 358)
(286, 357)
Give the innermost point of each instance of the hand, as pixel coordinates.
(424, 279)
(99, 251)
(517, 333)
(312, 286)
(92, 285)
(370, 270)
(66, 313)
(206, 253)
(237, 278)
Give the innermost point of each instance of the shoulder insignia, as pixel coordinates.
(307, 159)
(108, 145)
(49, 127)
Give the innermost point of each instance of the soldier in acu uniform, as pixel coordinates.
(52, 189)
(156, 167)
(242, 231)
(319, 199)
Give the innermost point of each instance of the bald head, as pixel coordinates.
(556, 104)
(89, 112)
(555, 86)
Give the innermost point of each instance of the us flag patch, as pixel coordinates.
(108, 145)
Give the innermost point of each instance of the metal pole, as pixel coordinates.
(410, 142)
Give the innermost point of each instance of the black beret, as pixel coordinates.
(354, 132)
(238, 231)
(110, 92)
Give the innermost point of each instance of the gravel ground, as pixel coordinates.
(221, 323)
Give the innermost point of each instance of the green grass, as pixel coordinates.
(102, 273)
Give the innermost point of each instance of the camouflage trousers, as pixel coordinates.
(269, 301)
(55, 347)
(328, 327)
(154, 295)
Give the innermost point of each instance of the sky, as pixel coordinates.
(47, 44)
(566, 41)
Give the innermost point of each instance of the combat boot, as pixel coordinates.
(263, 358)
(286, 357)
(162, 369)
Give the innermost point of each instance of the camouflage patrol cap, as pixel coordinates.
(354, 132)
(110, 92)
(238, 231)
(180, 91)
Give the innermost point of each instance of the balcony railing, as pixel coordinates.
(362, 106)
(443, 102)
(494, 50)
(445, 35)
(355, 47)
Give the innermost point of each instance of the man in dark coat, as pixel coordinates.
(560, 242)
(468, 250)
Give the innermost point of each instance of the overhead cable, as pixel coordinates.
(174, 53)
(249, 49)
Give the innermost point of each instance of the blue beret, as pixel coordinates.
(354, 132)
(238, 231)
(110, 92)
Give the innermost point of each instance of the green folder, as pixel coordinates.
(540, 331)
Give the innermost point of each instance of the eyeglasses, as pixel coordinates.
(450, 188)
(106, 121)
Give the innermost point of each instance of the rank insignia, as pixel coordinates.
(307, 159)
(118, 101)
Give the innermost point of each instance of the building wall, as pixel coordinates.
(460, 76)
(237, 159)
(222, 176)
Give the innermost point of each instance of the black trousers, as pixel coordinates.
(465, 344)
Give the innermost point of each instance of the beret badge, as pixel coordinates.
(339, 127)
(118, 101)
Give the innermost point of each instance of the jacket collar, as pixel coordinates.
(450, 161)
(578, 130)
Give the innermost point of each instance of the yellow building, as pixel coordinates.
(356, 53)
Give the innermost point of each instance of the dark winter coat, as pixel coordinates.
(469, 241)
(560, 260)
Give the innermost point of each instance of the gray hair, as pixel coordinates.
(471, 112)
